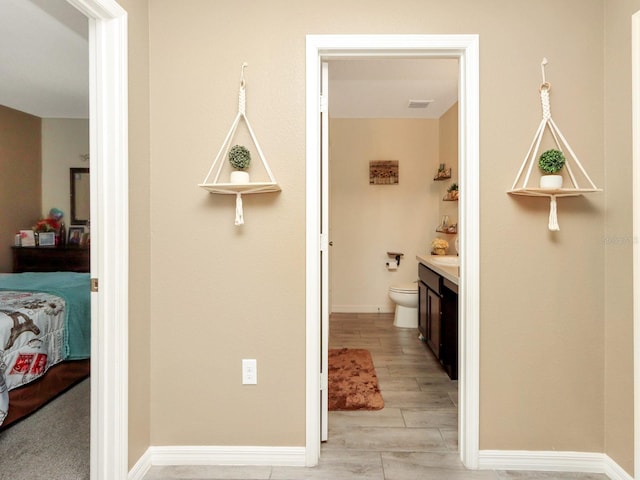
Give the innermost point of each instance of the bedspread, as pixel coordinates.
(31, 339)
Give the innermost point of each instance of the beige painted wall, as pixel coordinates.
(448, 141)
(219, 293)
(20, 173)
(139, 230)
(369, 220)
(63, 141)
(618, 238)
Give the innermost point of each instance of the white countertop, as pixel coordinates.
(450, 273)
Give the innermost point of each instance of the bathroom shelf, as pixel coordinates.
(448, 232)
(447, 198)
(444, 175)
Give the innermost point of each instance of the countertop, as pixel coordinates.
(450, 273)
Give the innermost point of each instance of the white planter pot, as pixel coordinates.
(239, 176)
(551, 181)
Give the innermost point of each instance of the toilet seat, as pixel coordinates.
(411, 287)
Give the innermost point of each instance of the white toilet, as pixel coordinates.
(405, 296)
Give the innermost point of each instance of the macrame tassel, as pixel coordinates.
(239, 213)
(553, 215)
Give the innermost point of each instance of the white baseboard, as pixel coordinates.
(205, 455)
(551, 462)
(141, 467)
(363, 309)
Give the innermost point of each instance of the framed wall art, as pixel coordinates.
(383, 172)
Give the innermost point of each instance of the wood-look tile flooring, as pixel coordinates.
(413, 437)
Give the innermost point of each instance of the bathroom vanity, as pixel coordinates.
(438, 308)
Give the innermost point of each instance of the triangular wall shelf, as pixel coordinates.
(211, 182)
(522, 186)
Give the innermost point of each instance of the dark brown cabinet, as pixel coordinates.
(50, 259)
(438, 317)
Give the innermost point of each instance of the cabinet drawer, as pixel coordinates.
(430, 278)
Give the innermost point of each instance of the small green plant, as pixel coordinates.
(551, 161)
(453, 188)
(239, 157)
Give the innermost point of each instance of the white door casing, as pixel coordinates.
(635, 106)
(108, 83)
(466, 49)
(324, 248)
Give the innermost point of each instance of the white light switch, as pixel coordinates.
(249, 371)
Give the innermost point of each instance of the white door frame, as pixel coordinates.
(108, 84)
(466, 49)
(635, 105)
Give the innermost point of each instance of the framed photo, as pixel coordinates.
(75, 235)
(47, 239)
(85, 241)
(27, 238)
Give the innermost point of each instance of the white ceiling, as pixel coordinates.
(382, 88)
(44, 64)
(44, 70)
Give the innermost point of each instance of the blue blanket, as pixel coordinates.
(74, 288)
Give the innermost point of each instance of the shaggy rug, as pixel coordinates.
(353, 384)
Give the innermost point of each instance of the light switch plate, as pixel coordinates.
(249, 371)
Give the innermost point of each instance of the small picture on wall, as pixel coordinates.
(46, 239)
(383, 172)
(75, 235)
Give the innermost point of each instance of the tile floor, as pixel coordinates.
(414, 437)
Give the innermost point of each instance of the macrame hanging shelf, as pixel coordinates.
(521, 185)
(211, 182)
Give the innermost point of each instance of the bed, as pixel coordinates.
(45, 339)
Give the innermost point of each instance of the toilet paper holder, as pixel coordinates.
(397, 256)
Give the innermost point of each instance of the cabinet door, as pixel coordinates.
(422, 309)
(433, 322)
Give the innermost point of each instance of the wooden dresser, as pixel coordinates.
(51, 259)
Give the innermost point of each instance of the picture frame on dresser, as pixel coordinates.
(27, 238)
(47, 239)
(75, 235)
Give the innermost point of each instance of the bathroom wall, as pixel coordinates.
(369, 220)
(20, 172)
(448, 141)
(63, 141)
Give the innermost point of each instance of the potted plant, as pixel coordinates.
(239, 158)
(452, 192)
(551, 162)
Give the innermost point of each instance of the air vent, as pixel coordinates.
(419, 103)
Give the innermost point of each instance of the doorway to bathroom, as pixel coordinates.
(401, 112)
(325, 48)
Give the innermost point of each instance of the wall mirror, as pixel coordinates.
(80, 196)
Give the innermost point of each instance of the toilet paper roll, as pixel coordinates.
(392, 265)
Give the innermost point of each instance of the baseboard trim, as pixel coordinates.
(551, 462)
(362, 309)
(211, 455)
(141, 467)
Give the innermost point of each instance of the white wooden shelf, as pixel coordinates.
(547, 192)
(243, 188)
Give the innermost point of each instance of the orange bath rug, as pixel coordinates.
(353, 384)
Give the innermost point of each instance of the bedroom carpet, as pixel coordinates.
(51, 444)
(353, 383)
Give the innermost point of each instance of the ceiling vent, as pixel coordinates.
(419, 103)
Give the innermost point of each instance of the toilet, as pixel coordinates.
(405, 296)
